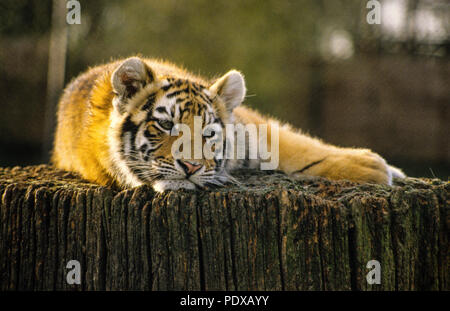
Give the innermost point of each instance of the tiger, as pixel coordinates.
(115, 128)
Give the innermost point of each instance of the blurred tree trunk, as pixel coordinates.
(270, 233)
(56, 70)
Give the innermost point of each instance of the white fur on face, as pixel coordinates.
(175, 184)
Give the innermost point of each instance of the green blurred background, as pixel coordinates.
(315, 64)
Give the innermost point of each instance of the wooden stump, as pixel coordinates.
(268, 233)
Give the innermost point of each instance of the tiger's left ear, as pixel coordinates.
(128, 79)
(231, 88)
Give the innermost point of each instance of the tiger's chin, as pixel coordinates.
(173, 184)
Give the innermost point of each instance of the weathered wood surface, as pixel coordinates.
(269, 233)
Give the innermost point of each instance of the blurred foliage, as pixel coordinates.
(19, 17)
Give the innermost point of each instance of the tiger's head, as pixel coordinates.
(149, 107)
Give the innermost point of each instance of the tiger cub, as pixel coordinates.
(115, 126)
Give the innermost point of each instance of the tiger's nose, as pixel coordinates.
(188, 167)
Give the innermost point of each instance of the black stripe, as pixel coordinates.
(167, 87)
(161, 110)
(196, 87)
(151, 118)
(188, 104)
(204, 97)
(180, 100)
(143, 147)
(308, 166)
(175, 93)
(146, 155)
(149, 135)
(155, 147)
(129, 127)
(150, 101)
(157, 128)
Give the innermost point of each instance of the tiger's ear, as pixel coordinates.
(128, 79)
(231, 88)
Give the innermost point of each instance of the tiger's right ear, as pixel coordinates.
(128, 79)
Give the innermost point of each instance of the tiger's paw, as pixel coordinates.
(396, 172)
(363, 166)
(357, 165)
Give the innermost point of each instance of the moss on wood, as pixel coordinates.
(270, 232)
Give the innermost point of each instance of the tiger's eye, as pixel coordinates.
(166, 124)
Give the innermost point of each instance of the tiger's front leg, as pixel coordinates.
(358, 165)
(300, 154)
